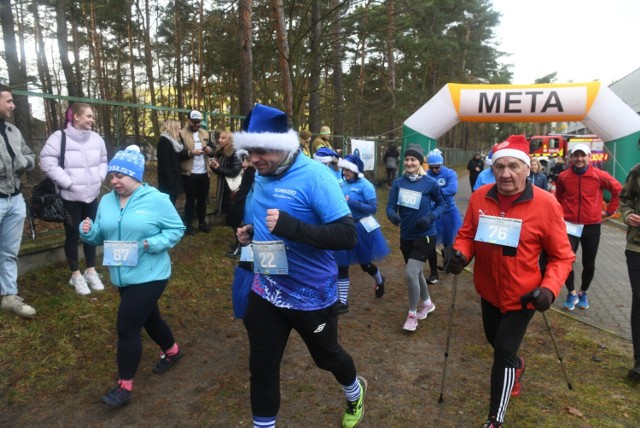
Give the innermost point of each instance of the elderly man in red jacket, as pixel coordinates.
(580, 190)
(507, 227)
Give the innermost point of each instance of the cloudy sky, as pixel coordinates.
(581, 40)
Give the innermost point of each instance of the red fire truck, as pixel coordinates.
(550, 147)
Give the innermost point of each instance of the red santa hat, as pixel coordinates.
(516, 146)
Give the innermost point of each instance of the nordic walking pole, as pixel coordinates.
(558, 354)
(524, 301)
(446, 351)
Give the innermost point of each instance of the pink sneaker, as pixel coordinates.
(424, 310)
(411, 323)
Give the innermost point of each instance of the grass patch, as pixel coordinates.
(57, 365)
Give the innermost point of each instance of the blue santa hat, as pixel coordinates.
(266, 128)
(487, 159)
(353, 163)
(435, 157)
(128, 162)
(325, 155)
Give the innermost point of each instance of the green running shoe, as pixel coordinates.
(355, 409)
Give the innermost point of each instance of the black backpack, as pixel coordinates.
(46, 203)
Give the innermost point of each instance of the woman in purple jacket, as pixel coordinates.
(79, 182)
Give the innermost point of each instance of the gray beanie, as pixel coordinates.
(416, 151)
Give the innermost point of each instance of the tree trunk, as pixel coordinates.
(21, 34)
(148, 62)
(246, 56)
(178, 65)
(100, 73)
(77, 67)
(361, 79)
(391, 67)
(132, 72)
(315, 69)
(336, 66)
(73, 85)
(282, 44)
(17, 80)
(201, 30)
(51, 113)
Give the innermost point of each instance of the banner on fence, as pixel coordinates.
(366, 149)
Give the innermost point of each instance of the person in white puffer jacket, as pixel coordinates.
(79, 182)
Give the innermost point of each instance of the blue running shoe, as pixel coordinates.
(570, 303)
(116, 397)
(583, 301)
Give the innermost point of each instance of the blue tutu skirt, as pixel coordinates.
(371, 246)
(448, 225)
(240, 289)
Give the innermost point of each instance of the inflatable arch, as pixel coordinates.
(594, 105)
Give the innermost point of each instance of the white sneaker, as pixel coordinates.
(424, 310)
(80, 285)
(411, 323)
(15, 303)
(93, 279)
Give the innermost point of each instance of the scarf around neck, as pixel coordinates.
(177, 145)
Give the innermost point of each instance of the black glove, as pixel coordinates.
(394, 218)
(425, 221)
(454, 261)
(540, 297)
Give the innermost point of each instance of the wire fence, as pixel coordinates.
(123, 114)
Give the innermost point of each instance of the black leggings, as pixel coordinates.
(392, 173)
(269, 327)
(139, 308)
(590, 241)
(633, 266)
(74, 214)
(370, 268)
(196, 189)
(505, 333)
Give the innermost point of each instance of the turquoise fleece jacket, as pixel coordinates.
(149, 215)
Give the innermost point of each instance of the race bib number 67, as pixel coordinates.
(120, 253)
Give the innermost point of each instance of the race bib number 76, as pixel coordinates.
(499, 230)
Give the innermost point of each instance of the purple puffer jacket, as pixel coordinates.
(85, 164)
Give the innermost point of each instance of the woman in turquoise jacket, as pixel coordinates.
(137, 225)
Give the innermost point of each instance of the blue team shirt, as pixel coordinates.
(448, 182)
(363, 200)
(485, 177)
(309, 192)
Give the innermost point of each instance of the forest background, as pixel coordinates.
(360, 66)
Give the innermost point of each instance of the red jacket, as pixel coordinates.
(581, 196)
(503, 274)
